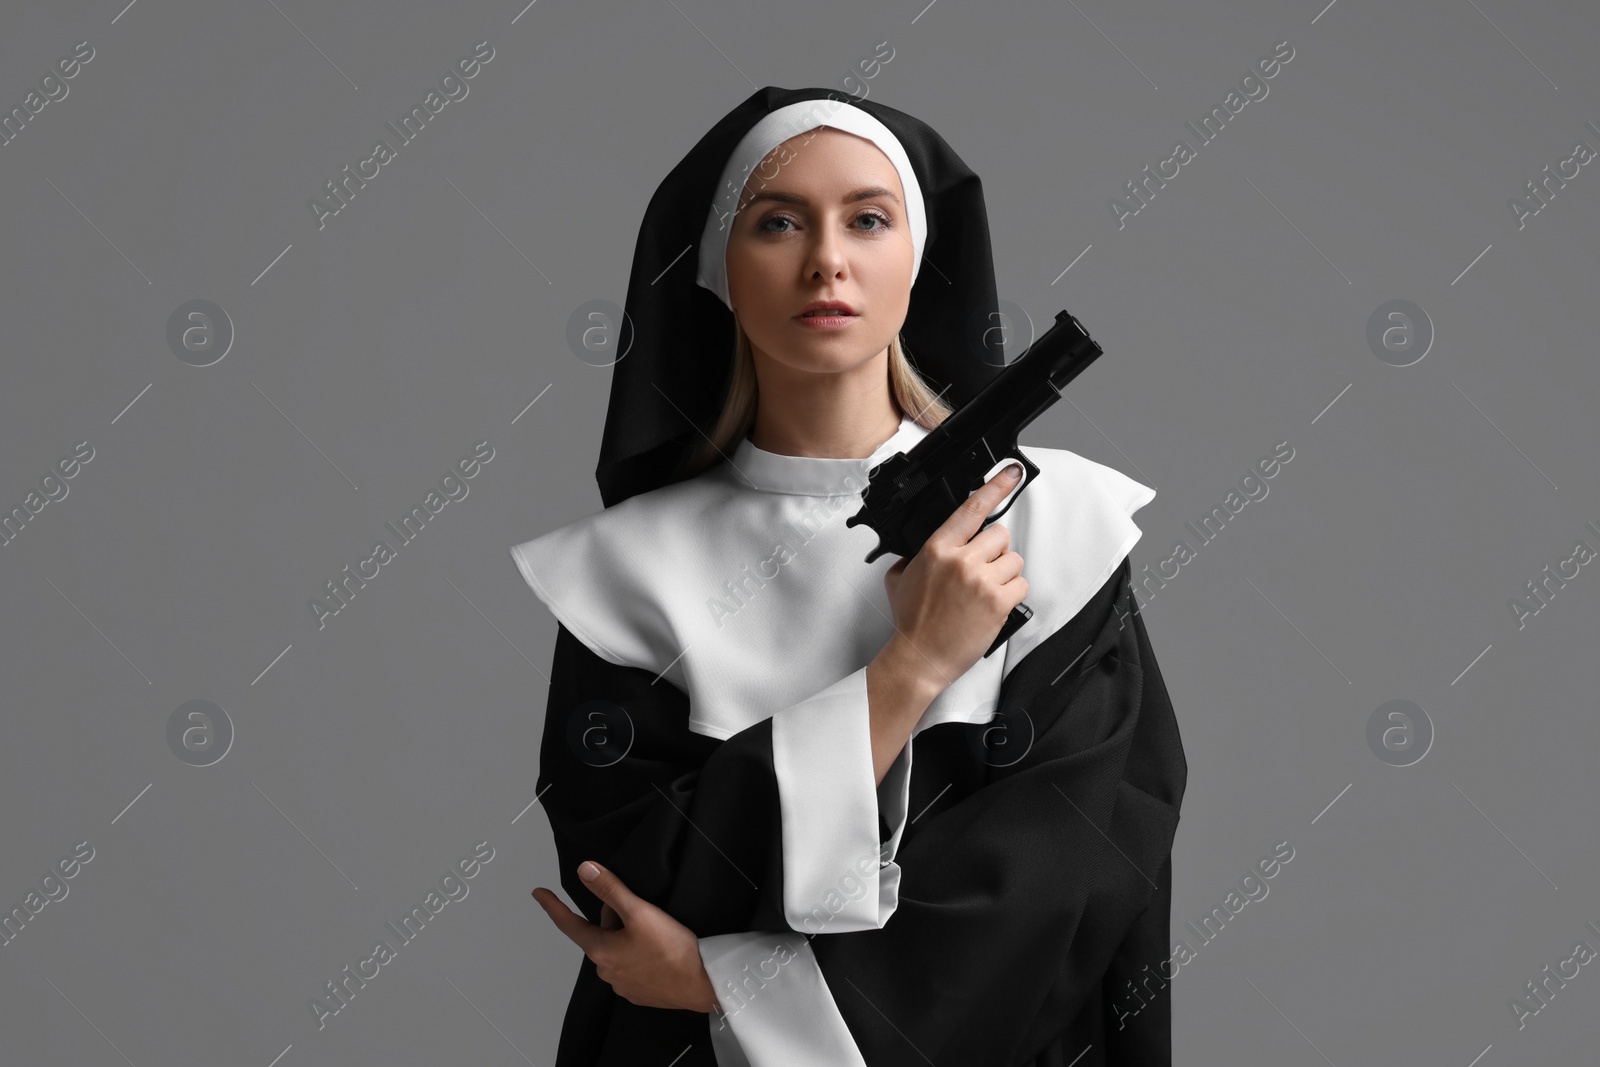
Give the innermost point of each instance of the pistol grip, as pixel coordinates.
(1019, 615)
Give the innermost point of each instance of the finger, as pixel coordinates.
(578, 929)
(970, 513)
(609, 888)
(991, 542)
(1007, 567)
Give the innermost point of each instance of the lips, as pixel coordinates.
(826, 309)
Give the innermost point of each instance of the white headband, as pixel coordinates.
(774, 129)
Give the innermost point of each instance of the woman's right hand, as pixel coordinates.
(951, 599)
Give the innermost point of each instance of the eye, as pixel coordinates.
(772, 223)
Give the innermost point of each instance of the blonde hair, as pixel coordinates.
(912, 395)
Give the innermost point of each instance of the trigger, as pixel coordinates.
(1005, 501)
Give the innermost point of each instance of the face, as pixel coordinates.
(822, 218)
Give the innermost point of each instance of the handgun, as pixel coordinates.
(911, 494)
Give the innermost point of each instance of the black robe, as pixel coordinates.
(1035, 894)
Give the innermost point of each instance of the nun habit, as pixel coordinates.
(1002, 896)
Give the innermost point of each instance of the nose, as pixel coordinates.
(827, 255)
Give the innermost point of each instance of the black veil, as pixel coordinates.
(1033, 920)
(667, 391)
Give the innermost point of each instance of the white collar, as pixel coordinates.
(744, 587)
(774, 472)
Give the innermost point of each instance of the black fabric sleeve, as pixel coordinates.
(690, 823)
(1027, 888)
(1134, 1015)
(1021, 901)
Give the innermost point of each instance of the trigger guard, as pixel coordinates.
(1011, 497)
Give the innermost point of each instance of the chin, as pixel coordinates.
(823, 364)
(804, 348)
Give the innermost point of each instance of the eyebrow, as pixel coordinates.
(795, 198)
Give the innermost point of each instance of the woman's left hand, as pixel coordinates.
(644, 954)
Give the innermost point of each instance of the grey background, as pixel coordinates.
(433, 310)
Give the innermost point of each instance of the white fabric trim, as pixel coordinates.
(802, 999)
(744, 588)
(777, 1008)
(894, 793)
(834, 880)
(634, 583)
(775, 128)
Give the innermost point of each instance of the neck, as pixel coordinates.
(843, 414)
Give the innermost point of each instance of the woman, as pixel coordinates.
(738, 700)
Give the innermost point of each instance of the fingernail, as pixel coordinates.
(1011, 473)
(588, 871)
